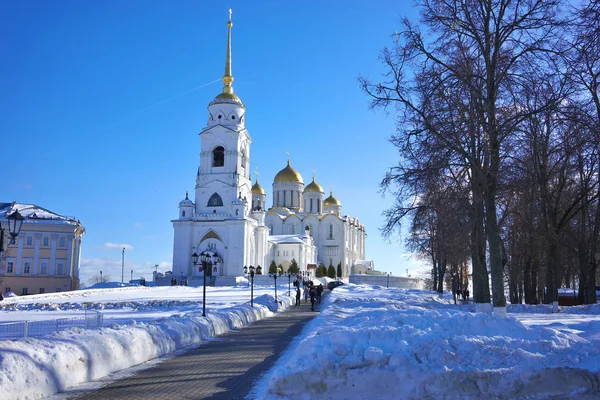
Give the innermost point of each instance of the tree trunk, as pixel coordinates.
(495, 250)
(481, 287)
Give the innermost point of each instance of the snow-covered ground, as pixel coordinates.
(367, 343)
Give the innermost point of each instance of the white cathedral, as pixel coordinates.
(229, 219)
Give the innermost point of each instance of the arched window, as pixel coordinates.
(215, 201)
(243, 158)
(311, 205)
(330, 231)
(219, 157)
(183, 213)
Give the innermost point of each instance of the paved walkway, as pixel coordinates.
(225, 368)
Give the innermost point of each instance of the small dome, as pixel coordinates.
(331, 201)
(288, 174)
(313, 187)
(228, 98)
(186, 201)
(257, 189)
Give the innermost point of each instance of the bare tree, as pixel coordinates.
(473, 53)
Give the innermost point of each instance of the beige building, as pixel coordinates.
(45, 255)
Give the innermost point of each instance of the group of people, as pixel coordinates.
(310, 291)
(462, 293)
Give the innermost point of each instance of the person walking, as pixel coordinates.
(306, 293)
(319, 293)
(313, 297)
(298, 295)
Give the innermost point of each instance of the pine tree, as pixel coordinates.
(272, 267)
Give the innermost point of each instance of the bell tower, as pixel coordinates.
(223, 178)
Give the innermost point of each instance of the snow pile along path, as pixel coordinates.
(32, 368)
(389, 344)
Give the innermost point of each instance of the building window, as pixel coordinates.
(311, 205)
(24, 292)
(10, 267)
(271, 229)
(62, 242)
(44, 267)
(183, 213)
(243, 159)
(27, 268)
(45, 241)
(278, 253)
(219, 157)
(29, 241)
(215, 201)
(330, 231)
(60, 268)
(293, 229)
(42, 290)
(319, 206)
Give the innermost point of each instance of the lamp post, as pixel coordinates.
(251, 270)
(15, 222)
(206, 262)
(289, 276)
(407, 273)
(101, 280)
(180, 277)
(388, 280)
(131, 276)
(122, 264)
(274, 276)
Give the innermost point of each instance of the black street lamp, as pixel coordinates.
(289, 276)
(15, 222)
(274, 275)
(206, 261)
(251, 270)
(101, 277)
(180, 277)
(388, 280)
(131, 277)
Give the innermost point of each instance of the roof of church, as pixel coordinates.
(280, 239)
(314, 187)
(186, 201)
(257, 189)
(288, 174)
(331, 200)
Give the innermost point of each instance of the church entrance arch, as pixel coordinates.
(211, 244)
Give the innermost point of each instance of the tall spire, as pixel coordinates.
(228, 78)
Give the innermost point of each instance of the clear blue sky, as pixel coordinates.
(102, 102)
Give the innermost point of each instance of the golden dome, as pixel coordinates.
(257, 189)
(331, 201)
(227, 98)
(288, 174)
(313, 187)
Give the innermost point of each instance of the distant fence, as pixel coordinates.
(388, 281)
(14, 330)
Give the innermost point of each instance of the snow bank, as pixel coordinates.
(32, 368)
(390, 344)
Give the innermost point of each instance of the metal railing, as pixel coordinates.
(20, 329)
